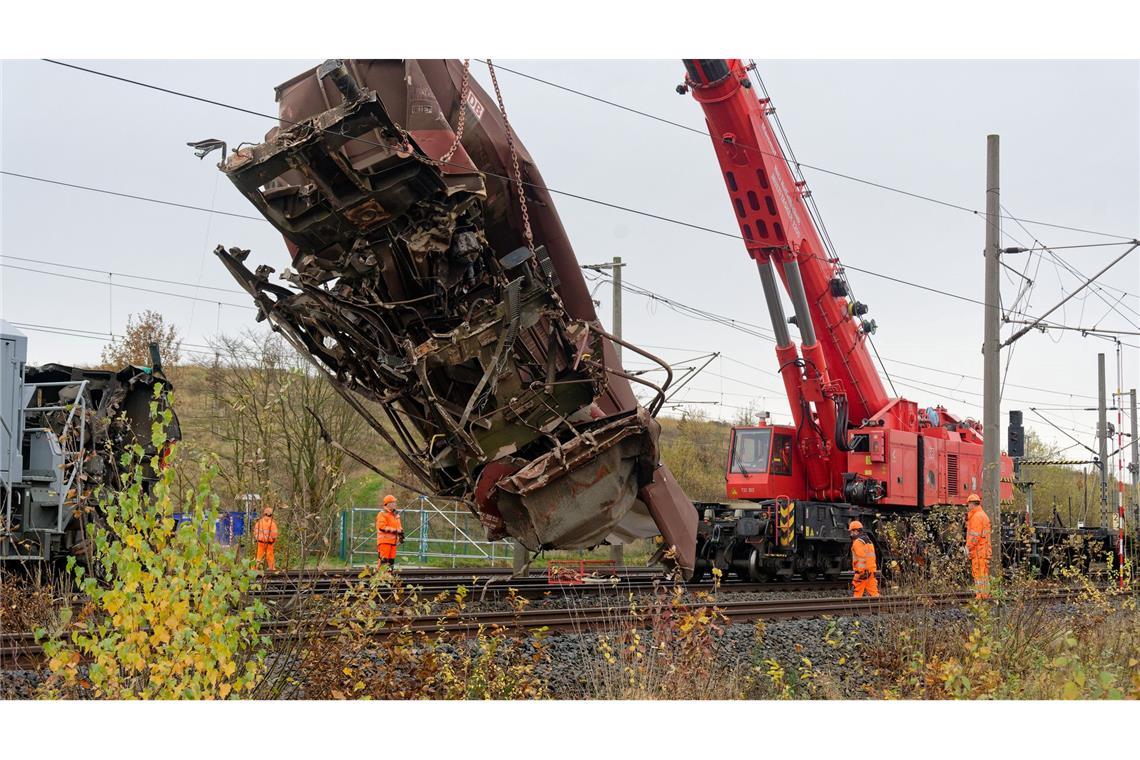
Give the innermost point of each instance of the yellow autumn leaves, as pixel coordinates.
(171, 616)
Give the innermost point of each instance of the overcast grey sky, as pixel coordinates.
(1070, 155)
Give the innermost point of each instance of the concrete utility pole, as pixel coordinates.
(991, 416)
(617, 265)
(617, 552)
(1102, 436)
(1135, 465)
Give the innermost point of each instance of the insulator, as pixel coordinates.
(868, 326)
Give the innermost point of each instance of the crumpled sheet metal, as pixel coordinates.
(412, 285)
(118, 404)
(579, 493)
(117, 417)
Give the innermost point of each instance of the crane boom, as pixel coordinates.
(776, 225)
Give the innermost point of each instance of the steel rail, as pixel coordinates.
(599, 618)
(538, 588)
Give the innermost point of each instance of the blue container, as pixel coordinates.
(227, 528)
(230, 525)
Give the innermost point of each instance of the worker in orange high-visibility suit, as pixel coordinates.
(978, 545)
(862, 561)
(389, 532)
(265, 534)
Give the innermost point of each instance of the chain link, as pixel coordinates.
(514, 159)
(464, 88)
(406, 146)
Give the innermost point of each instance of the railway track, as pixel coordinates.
(434, 574)
(21, 650)
(584, 619)
(483, 586)
(286, 591)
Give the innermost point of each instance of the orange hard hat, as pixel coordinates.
(855, 525)
(389, 499)
(973, 498)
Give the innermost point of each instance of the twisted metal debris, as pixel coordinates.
(414, 287)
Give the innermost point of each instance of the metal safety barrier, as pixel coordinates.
(435, 532)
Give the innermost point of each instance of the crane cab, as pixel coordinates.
(763, 463)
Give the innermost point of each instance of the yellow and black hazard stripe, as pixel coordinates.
(786, 523)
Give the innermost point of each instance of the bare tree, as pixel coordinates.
(267, 441)
(747, 416)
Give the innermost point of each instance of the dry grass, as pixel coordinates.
(664, 648)
(373, 653)
(31, 598)
(1018, 648)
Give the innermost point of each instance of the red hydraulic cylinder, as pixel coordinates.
(795, 373)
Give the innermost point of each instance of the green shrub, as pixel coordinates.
(169, 615)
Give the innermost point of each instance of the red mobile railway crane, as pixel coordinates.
(853, 451)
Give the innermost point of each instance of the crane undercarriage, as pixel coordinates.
(781, 539)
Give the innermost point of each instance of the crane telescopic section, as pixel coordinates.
(777, 228)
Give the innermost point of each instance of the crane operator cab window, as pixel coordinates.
(781, 454)
(759, 450)
(750, 449)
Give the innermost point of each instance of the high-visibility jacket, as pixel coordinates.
(388, 527)
(863, 556)
(978, 533)
(265, 530)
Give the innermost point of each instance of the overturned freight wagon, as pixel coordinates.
(64, 433)
(430, 275)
